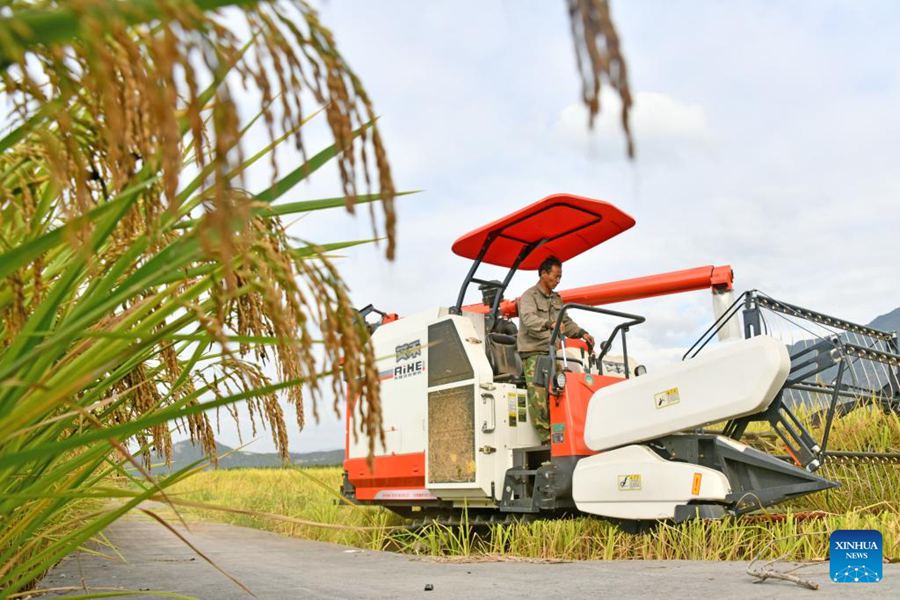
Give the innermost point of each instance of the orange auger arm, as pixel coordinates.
(718, 279)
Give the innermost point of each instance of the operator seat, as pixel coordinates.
(500, 341)
(502, 352)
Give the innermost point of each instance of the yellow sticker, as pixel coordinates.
(695, 488)
(666, 398)
(629, 483)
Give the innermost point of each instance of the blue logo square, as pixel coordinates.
(856, 556)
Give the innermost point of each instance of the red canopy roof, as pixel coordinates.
(569, 224)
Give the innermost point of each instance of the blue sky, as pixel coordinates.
(767, 135)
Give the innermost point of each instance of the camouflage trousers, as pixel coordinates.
(538, 409)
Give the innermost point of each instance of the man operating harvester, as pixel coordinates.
(538, 310)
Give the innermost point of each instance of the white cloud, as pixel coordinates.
(665, 128)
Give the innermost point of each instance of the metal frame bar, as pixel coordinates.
(624, 327)
(818, 357)
(822, 319)
(713, 329)
(831, 408)
(457, 308)
(842, 390)
(523, 254)
(887, 358)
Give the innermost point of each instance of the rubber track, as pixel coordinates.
(458, 517)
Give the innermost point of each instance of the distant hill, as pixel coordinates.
(184, 453)
(888, 322)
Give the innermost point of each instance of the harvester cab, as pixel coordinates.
(624, 443)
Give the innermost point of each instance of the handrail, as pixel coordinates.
(623, 327)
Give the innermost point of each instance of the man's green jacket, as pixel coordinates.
(537, 316)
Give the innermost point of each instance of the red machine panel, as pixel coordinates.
(395, 477)
(568, 410)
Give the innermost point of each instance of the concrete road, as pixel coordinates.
(279, 567)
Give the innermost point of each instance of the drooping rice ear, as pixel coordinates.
(599, 57)
(127, 86)
(127, 103)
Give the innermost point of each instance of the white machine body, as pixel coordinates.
(440, 400)
(450, 408)
(732, 380)
(636, 483)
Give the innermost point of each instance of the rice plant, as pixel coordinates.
(143, 279)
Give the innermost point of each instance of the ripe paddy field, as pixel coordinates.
(305, 503)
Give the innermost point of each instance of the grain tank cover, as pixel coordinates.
(568, 224)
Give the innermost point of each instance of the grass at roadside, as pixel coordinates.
(301, 494)
(289, 492)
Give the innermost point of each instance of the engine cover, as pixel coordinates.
(635, 483)
(731, 380)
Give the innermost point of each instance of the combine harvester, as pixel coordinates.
(626, 444)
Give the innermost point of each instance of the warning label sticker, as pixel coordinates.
(523, 406)
(629, 483)
(511, 408)
(666, 398)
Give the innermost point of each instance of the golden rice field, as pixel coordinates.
(296, 497)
